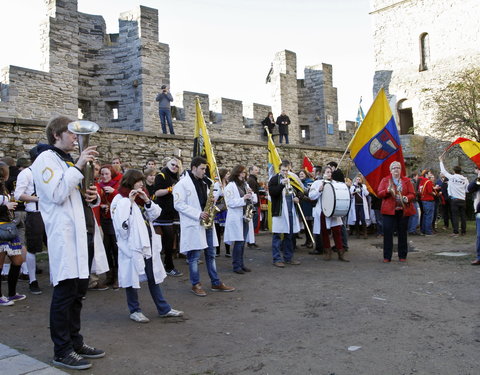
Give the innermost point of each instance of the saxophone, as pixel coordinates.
(250, 208)
(211, 209)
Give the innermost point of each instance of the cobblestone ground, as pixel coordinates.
(362, 317)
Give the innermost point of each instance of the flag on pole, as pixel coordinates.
(274, 160)
(376, 144)
(470, 148)
(360, 114)
(307, 164)
(201, 141)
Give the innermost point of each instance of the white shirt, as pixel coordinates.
(26, 186)
(457, 184)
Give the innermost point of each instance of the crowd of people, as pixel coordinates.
(132, 225)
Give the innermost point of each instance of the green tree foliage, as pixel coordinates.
(459, 107)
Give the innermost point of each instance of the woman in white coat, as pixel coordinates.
(238, 197)
(139, 246)
(359, 212)
(324, 225)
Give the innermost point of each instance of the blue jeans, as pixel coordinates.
(238, 249)
(194, 255)
(285, 245)
(413, 220)
(427, 217)
(344, 233)
(132, 295)
(281, 138)
(166, 116)
(477, 221)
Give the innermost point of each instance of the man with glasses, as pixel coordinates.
(166, 224)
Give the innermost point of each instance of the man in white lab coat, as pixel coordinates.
(190, 196)
(67, 217)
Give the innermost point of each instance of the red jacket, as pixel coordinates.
(388, 200)
(426, 191)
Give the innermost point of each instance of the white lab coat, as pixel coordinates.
(352, 215)
(234, 221)
(134, 242)
(185, 200)
(281, 224)
(61, 206)
(330, 222)
(25, 185)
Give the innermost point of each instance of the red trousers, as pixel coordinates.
(337, 234)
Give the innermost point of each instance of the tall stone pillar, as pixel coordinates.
(284, 90)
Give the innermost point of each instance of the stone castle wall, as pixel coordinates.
(453, 38)
(18, 137)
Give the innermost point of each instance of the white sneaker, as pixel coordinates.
(139, 317)
(4, 301)
(172, 313)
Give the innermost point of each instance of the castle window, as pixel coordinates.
(305, 132)
(84, 110)
(112, 110)
(424, 52)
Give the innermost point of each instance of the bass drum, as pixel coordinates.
(335, 199)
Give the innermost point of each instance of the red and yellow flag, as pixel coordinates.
(470, 148)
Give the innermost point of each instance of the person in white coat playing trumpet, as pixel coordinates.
(284, 216)
(139, 246)
(240, 201)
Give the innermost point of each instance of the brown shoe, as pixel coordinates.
(476, 263)
(279, 264)
(293, 262)
(222, 288)
(198, 290)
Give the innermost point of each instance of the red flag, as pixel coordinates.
(307, 164)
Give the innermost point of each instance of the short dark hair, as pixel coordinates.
(197, 160)
(131, 177)
(457, 169)
(23, 163)
(56, 127)
(333, 164)
(285, 163)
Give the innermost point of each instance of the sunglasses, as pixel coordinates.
(174, 165)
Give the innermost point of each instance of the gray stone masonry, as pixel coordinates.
(451, 45)
(18, 137)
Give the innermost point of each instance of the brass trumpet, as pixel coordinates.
(83, 129)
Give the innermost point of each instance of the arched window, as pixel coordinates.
(424, 52)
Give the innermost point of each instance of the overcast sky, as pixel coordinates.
(224, 48)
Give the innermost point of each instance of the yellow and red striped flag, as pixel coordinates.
(470, 148)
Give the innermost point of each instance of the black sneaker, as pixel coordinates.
(87, 351)
(34, 288)
(72, 361)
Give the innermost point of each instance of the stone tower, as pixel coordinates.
(419, 46)
(283, 82)
(311, 103)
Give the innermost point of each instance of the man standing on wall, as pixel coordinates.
(68, 219)
(164, 98)
(283, 121)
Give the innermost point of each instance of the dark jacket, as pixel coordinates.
(163, 180)
(252, 181)
(271, 125)
(275, 189)
(283, 122)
